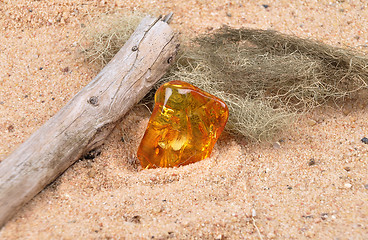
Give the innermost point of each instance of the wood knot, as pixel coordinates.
(93, 101)
(134, 48)
(169, 60)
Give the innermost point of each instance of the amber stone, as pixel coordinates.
(184, 126)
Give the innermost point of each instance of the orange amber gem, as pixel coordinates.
(184, 126)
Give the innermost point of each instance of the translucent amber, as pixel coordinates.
(184, 126)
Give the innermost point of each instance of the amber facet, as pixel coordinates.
(184, 126)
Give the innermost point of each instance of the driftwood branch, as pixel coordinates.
(89, 117)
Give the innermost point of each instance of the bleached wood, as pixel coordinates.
(89, 117)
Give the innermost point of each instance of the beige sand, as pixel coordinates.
(243, 191)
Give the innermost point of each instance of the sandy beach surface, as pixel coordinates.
(312, 185)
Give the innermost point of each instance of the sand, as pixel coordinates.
(312, 183)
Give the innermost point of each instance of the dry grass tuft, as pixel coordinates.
(267, 78)
(106, 34)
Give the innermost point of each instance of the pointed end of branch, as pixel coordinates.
(167, 18)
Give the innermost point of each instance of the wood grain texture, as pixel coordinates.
(89, 117)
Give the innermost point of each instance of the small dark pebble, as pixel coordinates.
(365, 140)
(308, 216)
(10, 128)
(312, 162)
(83, 25)
(122, 139)
(229, 14)
(289, 187)
(30, 10)
(1, 103)
(347, 168)
(366, 186)
(324, 216)
(65, 70)
(265, 5)
(41, 68)
(25, 96)
(136, 219)
(53, 98)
